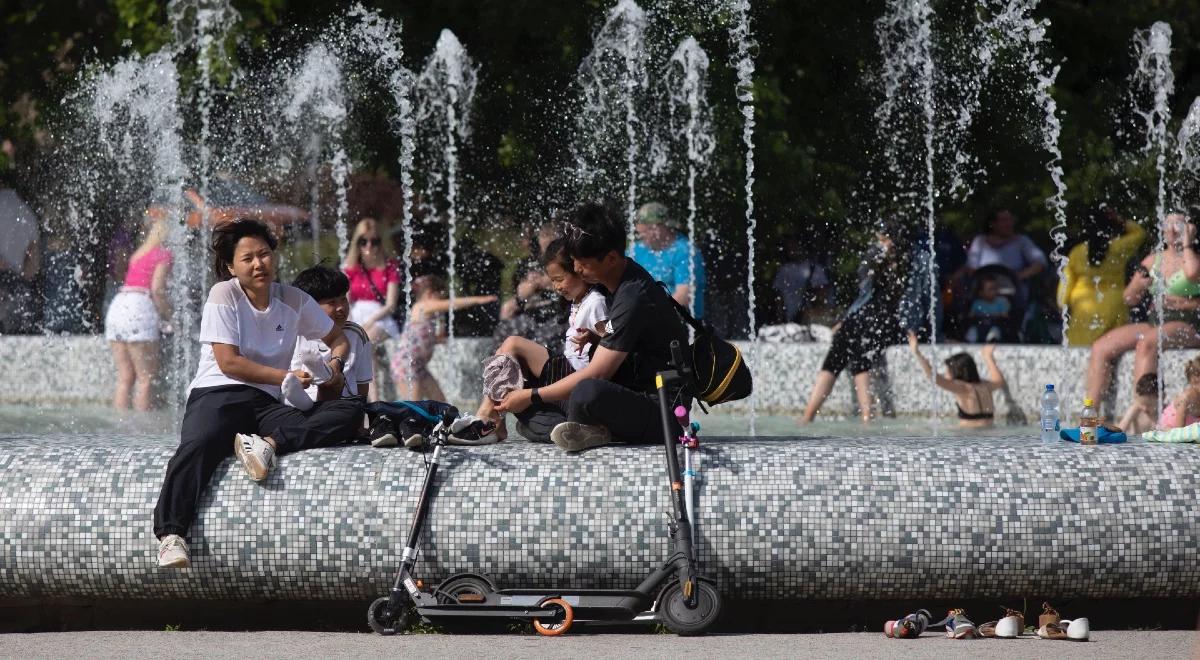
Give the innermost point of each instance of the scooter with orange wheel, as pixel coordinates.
(673, 594)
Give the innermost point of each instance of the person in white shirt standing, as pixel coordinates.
(329, 287)
(248, 330)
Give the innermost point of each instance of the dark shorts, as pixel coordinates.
(858, 344)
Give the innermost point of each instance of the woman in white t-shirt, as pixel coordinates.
(588, 316)
(248, 332)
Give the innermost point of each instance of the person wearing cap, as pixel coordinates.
(665, 253)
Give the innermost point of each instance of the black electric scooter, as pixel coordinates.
(674, 593)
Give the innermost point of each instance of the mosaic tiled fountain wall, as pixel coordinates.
(78, 369)
(781, 519)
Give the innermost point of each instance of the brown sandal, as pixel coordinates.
(1049, 615)
(1052, 631)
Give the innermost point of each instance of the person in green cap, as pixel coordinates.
(665, 253)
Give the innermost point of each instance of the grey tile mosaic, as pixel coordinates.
(782, 518)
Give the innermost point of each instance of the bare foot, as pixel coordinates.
(501, 427)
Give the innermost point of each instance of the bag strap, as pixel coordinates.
(685, 313)
(371, 280)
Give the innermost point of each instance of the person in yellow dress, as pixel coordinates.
(1095, 275)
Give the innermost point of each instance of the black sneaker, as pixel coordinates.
(383, 432)
(573, 436)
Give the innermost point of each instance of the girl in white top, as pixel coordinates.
(588, 318)
(248, 330)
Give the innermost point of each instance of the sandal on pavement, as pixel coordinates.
(1049, 615)
(1052, 631)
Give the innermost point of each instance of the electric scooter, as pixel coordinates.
(674, 593)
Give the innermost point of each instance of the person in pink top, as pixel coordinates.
(374, 284)
(139, 315)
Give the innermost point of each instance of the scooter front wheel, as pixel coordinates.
(685, 621)
(560, 624)
(383, 622)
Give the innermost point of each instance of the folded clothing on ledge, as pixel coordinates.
(1104, 436)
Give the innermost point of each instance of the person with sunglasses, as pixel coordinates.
(374, 281)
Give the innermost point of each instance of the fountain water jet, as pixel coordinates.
(1153, 74)
(317, 109)
(686, 82)
(445, 90)
(614, 82)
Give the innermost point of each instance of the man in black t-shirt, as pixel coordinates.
(614, 396)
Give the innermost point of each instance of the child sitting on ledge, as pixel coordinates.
(329, 288)
(1184, 409)
(1139, 418)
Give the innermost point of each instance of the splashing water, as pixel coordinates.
(317, 109)
(614, 82)
(905, 38)
(1153, 74)
(203, 26)
(686, 82)
(744, 47)
(445, 90)
(134, 104)
(379, 38)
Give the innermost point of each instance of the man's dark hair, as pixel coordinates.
(322, 282)
(225, 239)
(1147, 385)
(593, 230)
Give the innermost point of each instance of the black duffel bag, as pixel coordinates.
(719, 373)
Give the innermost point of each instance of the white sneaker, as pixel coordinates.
(1008, 628)
(257, 455)
(173, 552)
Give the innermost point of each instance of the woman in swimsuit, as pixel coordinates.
(973, 395)
(1175, 272)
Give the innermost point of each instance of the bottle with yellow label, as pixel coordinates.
(1089, 423)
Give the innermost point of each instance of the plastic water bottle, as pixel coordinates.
(1089, 423)
(1049, 415)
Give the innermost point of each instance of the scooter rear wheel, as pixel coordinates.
(559, 626)
(685, 621)
(381, 623)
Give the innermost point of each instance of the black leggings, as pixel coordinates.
(631, 416)
(858, 343)
(214, 415)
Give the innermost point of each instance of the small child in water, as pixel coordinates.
(1184, 409)
(1139, 417)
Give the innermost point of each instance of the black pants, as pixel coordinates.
(860, 341)
(211, 419)
(630, 416)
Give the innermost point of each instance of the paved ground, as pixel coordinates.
(297, 645)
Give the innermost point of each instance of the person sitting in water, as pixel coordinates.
(248, 332)
(329, 288)
(614, 396)
(1142, 413)
(545, 366)
(973, 395)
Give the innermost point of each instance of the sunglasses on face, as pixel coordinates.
(373, 242)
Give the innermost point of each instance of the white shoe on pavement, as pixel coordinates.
(257, 455)
(573, 436)
(173, 552)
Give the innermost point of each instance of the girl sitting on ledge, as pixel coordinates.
(248, 332)
(974, 396)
